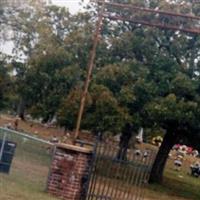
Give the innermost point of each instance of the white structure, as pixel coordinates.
(139, 137)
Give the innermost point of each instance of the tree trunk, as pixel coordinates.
(124, 142)
(45, 119)
(21, 109)
(169, 141)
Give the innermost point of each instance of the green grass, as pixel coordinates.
(176, 185)
(25, 181)
(29, 172)
(12, 188)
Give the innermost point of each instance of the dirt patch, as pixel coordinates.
(43, 131)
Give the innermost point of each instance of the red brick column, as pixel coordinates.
(69, 172)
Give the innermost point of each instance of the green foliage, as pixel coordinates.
(143, 76)
(51, 76)
(69, 107)
(104, 114)
(4, 84)
(170, 112)
(183, 86)
(114, 76)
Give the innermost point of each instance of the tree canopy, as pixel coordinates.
(143, 76)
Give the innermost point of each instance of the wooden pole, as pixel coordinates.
(90, 69)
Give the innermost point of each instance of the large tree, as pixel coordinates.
(179, 117)
(48, 56)
(171, 62)
(102, 112)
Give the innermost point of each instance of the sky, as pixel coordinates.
(73, 5)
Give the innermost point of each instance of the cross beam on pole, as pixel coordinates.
(90, 69)
(132, 19)
(150, 10)
(158, 25)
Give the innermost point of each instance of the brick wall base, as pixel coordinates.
(69, 172)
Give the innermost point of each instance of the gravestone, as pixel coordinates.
(7, 151)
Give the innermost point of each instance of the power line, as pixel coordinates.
(178, 27)
(132, 7)
(158, 25)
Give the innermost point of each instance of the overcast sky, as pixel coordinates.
(73, 5)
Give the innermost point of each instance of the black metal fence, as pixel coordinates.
(114, 178)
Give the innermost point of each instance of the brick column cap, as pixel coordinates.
(74, 148)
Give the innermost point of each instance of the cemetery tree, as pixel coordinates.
(104, 113)
(177, 113)
(49, 56)
(120, 79)
(161, 53)
(101, 114)
(58, 63)
(68, 110)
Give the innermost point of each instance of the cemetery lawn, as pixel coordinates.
(176, 185)
(26, 181)
(11, 189)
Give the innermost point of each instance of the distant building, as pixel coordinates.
(139, 137)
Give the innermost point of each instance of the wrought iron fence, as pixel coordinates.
(24, 173)
(115, 178)
(111, 177)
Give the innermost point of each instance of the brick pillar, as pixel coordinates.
(69, 172)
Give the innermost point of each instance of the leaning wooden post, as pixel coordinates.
(90, 69)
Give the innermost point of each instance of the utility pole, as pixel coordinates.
(90, 68)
